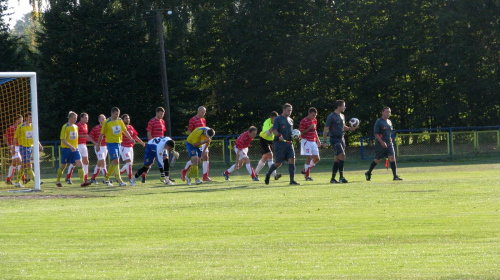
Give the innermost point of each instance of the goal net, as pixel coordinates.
(18, 97)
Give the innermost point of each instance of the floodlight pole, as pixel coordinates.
(163, 62)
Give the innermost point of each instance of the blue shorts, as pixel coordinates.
(151, 153)
(67, 156)
(25, 153)
(113, 150)
(193, 151)
(283, 151)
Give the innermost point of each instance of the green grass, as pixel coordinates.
(441, 222)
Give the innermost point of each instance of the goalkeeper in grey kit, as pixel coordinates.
(283, 147)
(384, 146)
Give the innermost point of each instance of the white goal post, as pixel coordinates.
(34, 115)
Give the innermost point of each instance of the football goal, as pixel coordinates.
(18, 98)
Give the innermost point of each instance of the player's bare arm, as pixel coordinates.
(325, 134)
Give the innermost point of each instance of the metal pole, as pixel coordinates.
(164, 80)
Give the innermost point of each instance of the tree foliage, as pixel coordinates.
(434, 62)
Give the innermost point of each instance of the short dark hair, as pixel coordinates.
(385, 108)
(82, 114)
(170, 143)
(210, 132)
(286, 105)
(115, 109)
(125, 115)
(27, 114)
(273, 114)
(252, 129)
(160, 109)
(339, 103)
(312, 110)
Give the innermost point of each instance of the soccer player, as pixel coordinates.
(102, 152)
(384, 146)
(83, 137)
(335, 126)
(198, 121)
(266, 145)
(127, 147)
(241, 149)
(196, 142)
(155, 149)
(24, 136)
(283, 147)
(113, 128)
(69, 149)
(156, 128)
(310, 141)
(8, 139)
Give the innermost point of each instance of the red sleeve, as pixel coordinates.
(150, 126)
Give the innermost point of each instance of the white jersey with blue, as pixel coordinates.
(156, 148)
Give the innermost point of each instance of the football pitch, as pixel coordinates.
(441, 222)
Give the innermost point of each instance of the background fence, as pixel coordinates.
(410, 143)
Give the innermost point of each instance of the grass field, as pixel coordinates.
(441, 222)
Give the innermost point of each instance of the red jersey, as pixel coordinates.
(95, 133)
(156, 127)
(83, 130)
(196, 122)
(126, 142)
(244, 141)
(304, 124)
(9, 134)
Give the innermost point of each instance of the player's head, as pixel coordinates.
(273, 115)
(160, 112)
(287, 109)
(386, 112)
(201, 112)
(252, 131)
(340, 105)
(84, 117)
(170, 145)
(126, 119)
(312, 113)
(19, 119)
(209, 133)
(72, 116)
(101, 118)
(27, 117)
(115, 113)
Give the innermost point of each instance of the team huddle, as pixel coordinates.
(114, 136)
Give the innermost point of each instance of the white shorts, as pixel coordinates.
(203, 148)
(16, 153)
(308, 148)
(84, 152)
(102, 154)
(243, 152)
(127, 153)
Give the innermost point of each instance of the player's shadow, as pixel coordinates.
(206, 188)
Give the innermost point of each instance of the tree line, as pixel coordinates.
(434, 62)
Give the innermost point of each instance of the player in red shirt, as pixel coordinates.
(103, 150)
(9, 140)
(196, 121)
(310, 143)
(156, 128)
(241, 149)
(127, 147)
(83, 137)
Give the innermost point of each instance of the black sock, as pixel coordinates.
(341, 168)
(271, 169)
(291, 170)
(335, 169)
(393, 167)
(372, 166)
(166, 167)
(140, 171)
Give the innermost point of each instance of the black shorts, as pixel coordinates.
(338, 145)
(283, 151)
(381, 152)
(266, 146)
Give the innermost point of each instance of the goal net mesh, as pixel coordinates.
(15, 100)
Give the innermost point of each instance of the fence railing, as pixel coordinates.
(439, 142)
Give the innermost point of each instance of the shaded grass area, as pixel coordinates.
(441, 222)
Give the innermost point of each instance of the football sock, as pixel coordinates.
(393, 168)
(86, 171)
(59, 174)
(70, 171)
(82, 174)
(231, 169)
(270, 163)
(124, 168)
(141, 171)
(11, 172)
(250, 170)
(111, 171)
(291, 170)
(20, 175)
(335, 169)
(117, 173)
(341, 168)
(259, 167)
(194, 171)
(272, 168)
(206, 167)
(372, 166)
(166, 166)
